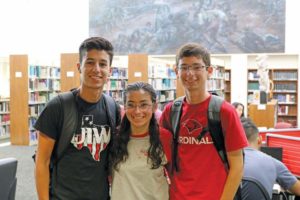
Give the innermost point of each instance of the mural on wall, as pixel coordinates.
(161, 26)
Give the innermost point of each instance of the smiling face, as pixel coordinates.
(139, 109)
(192, 80)
(95, 69)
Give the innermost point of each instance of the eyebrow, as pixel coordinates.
(142, 101)
(92, 59)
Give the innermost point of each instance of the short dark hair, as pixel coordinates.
(98, 43)
(250, 129)
(193, 49)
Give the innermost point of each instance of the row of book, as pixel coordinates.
(253, 75)
(215, 84)
(218, 72)
(285, 98)
(165, 95)
(163, 83)
(4, 119)
(285, 87)
(35, 110)
(4, 106)
(253, 86)
(118, 96)
(283, 110)
(44, 84)
(41, 97)
(4, 131)
(285, 76)
(44, 71)
(113, 84)
(119, 73)
(161, 71)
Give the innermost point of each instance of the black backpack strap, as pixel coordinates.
(176, 111)
(70, 120)
(113, 112)
(215, 127)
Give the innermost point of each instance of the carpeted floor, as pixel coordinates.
(25, 170)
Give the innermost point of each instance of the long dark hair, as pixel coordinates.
(119, 152)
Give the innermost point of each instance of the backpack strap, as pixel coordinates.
(215, 127)
(70, 120)
(175, 116)
(113, 112)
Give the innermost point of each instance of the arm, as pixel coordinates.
(42, 175)
(295, 189)
(235, 160)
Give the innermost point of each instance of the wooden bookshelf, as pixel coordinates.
(117, 82)
(227, 78)
(162, 77)
(253, 87)
(285, 91)
(70, 76)
(158, 72)
(137, 68)
(31, 87)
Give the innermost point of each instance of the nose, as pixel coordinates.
(190, 71)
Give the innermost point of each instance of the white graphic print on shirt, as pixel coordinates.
(192, 128)
(92, 136)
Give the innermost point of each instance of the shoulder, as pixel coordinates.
(227, 107)
(165, 133)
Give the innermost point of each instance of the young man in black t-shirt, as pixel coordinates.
(81, 173)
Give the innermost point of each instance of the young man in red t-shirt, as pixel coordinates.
(201, 173)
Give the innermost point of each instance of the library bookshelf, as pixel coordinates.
(227, 77)
(4, 118)
(285, 90)
(31, 87)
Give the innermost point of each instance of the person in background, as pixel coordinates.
(201, 173)
(264, 168)
(239, 107)
(141, 149)
(82, 172)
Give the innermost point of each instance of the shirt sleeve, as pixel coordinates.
(50, 119)
(234, 134)
(164, 120)
(284, 177)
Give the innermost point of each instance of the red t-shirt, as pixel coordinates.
(201, 172)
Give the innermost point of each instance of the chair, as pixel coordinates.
(253, 190)
(8, 180)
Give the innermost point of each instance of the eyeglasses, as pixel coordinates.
(142, 107)
(192, 68)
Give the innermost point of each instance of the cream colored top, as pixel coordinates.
(135, 180)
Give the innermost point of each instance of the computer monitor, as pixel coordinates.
(275, 152)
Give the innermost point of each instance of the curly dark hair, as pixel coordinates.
(119, 152)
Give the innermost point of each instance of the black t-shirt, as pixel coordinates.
(82, 171)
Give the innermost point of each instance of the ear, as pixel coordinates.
(78, 67)
(176, 71)
(210, 71)
(259, 140)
